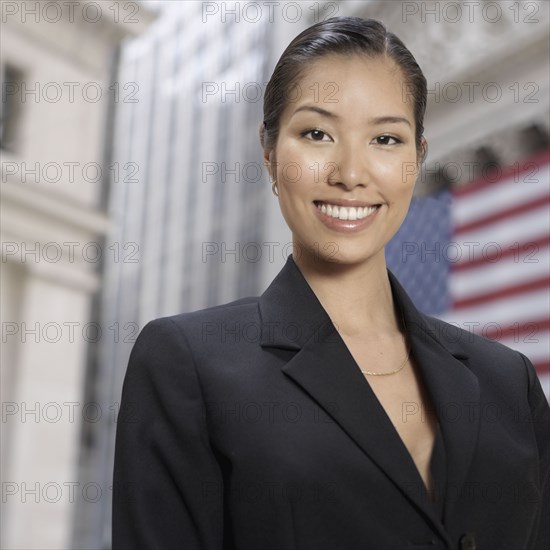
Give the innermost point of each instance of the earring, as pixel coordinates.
(274, 187)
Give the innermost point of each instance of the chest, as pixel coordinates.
(405, 400)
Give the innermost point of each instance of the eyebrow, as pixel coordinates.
(373, 120)
(389, 120)
(315, 109)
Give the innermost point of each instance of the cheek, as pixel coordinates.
(296, 168)
(395, 177)
(403, 178)
(291, 152)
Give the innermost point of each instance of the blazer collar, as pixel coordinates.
(291, 314)
(293, 318)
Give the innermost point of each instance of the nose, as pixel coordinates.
(349, 167)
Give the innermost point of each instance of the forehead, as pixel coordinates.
(353, 81)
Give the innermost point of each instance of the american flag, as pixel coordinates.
(478, 257)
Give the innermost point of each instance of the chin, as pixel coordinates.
(354, 258)
(337, 253)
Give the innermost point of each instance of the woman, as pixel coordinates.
(330, 413)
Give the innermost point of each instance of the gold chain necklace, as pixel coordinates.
(391, 372)
(403, 325)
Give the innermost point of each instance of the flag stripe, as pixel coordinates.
(494, 254)
(498, 277)
(506, 272)
(530, 328)
(510, 193)
(522, 229)
(515, 309)
(502, 293)
(524, 170)
(533, 204)
(543, 368)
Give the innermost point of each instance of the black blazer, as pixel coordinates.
(249, 426)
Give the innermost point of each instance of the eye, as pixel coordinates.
(387, 138)
(316, 134)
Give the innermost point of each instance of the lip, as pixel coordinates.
(347, 203)
(345, 226)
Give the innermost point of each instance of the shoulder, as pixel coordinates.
(195, 326)
(486, 358)
(172, 344)
(216, 318)
(464, 339)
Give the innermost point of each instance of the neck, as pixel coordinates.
(357, 297)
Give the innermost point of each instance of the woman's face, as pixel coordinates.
(348, 136)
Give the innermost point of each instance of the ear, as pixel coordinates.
(267, 155)
(423, 153)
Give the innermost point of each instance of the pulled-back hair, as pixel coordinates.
(339, 36)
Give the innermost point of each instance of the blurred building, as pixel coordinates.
(56, 64)
(192, 202)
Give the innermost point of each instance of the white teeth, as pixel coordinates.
(346, 213)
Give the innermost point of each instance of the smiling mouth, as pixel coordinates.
(346, 212)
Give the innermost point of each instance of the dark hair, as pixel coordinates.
(339, 35)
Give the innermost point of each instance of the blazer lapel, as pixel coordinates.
(293, 318)
(452, 386)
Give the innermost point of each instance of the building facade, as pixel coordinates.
(56, 64)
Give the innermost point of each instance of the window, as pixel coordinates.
(11, 108)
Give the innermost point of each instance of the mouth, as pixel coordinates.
(344, 213)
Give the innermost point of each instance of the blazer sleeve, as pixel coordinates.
(167, 484)
(540, 417)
